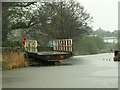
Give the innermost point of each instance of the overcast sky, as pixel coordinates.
(104, 13)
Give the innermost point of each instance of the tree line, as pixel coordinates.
(46, 20)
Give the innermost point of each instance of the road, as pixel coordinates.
(85, 71)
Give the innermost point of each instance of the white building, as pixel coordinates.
(110, 40)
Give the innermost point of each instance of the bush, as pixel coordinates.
(88, 46)
(13, 60)
(10, 43)
(116, 58)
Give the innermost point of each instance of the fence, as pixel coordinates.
(62, 45)
(31, 46)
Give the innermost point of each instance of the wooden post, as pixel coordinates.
(71, 45)
(61, 46)
(66, 45)
(56, 44)
(54, 47)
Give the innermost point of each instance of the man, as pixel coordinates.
(51, 43)
(24, 41)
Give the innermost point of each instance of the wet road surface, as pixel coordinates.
(87, 71)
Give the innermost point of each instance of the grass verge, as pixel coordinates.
(13, 60)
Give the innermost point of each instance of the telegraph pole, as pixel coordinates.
(119, 25)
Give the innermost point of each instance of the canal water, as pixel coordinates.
(87, 71)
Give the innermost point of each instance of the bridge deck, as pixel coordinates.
(51, 53)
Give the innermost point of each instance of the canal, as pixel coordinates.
(85, 71)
